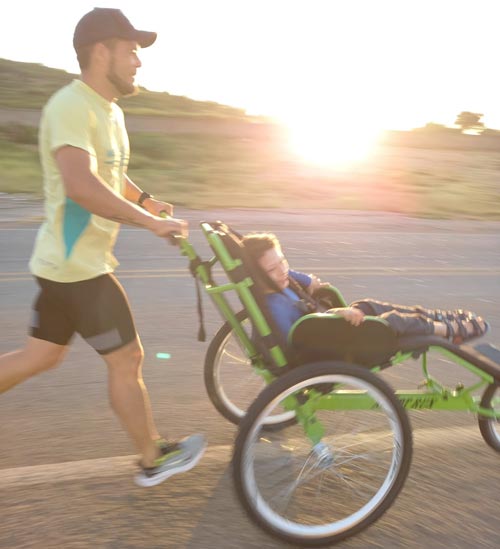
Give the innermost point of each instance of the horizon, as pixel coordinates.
(453, 126)
(334, 73)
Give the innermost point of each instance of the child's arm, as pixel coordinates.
(351, 314)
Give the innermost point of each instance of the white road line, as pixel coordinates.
(125, 465)
(18, 226)
(89, 469)
(336, 271)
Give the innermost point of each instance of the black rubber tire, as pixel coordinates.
(279, 386)
(486, 425)
(209, 370)
(210, 375)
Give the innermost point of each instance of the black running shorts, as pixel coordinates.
(97, 309)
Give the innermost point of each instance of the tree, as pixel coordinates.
(469, 121)
(432, 127)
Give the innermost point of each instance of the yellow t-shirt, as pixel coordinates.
(73, 244)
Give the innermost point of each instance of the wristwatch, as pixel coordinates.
(143, 197)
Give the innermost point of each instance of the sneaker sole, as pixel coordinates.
(147, 482)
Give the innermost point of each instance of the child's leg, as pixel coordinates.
(402, 319)
(459, 329)
(458, 325)
(377, 308)
(408, 324)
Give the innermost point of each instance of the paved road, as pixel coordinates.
(65, 466)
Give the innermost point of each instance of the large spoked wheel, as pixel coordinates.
(231, 382)
(320, 494)
(490, 427)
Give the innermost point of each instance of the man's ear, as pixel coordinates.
(100, 53)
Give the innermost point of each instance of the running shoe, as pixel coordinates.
(177, 457)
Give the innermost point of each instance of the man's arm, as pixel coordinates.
(89, 191)
(153, 206)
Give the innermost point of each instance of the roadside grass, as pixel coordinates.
(213, 171)
(438, 173)
(19, 168)
(29, 86)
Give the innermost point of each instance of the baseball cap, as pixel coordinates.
(104, 23)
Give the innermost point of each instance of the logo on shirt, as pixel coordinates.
(117, 158)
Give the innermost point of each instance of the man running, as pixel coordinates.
(84, 152)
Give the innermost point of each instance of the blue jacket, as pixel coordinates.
(283, 305)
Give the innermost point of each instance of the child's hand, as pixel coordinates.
(352, 315)
(316, 284)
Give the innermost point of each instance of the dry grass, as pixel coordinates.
(207, 171)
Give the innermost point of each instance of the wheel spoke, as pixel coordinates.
(309, 492)
(231, 380)
(237, 359)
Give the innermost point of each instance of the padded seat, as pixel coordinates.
(319, 337)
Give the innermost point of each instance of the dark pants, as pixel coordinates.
(97, 309)
(404, 320)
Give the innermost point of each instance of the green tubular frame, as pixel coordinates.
(434, 397)
(242, 289)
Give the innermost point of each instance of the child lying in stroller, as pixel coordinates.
(289, 296)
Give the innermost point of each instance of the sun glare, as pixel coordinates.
(332, 146)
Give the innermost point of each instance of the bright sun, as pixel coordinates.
(330, 145)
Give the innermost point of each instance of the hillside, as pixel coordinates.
(205, 155)
(29, 85)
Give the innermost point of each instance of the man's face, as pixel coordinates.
(275, 265)
(123, 64)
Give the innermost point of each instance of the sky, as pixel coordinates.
(363, 64)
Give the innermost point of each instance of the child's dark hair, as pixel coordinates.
(257, 244)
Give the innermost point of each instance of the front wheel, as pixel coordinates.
(315, 493)
(230, 379)
(490, 427)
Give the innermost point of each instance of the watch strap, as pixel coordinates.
(143, 197)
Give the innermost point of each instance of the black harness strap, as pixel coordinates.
(269, 341)
(193, 265)
(238, 274)
(310, 304)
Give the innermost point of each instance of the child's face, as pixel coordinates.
(273, 262)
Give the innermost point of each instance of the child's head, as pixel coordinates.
(265, 250)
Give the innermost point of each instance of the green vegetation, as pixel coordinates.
(206, 171)
(433, 172)
(19, 168)
(29, 85)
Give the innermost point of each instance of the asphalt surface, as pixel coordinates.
(66, 466)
